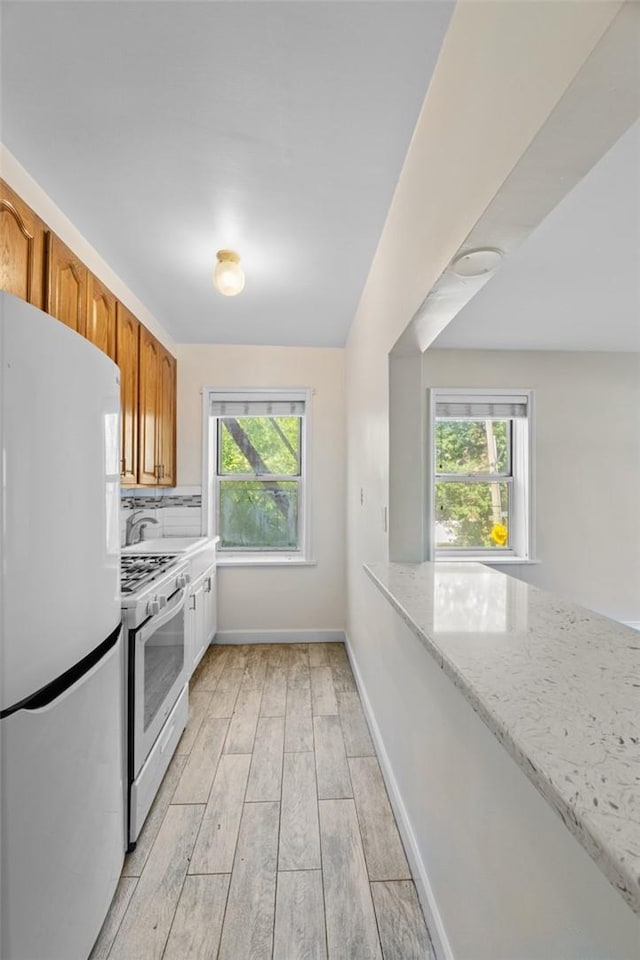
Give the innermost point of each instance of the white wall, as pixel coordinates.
(502, 69)
(276, 598)
(587, 450)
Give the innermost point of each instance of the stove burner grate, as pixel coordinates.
(137, 570)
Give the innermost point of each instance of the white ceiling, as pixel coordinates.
(574, 284)
(166, 131)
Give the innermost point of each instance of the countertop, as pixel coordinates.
(168, 545)
(557, 684)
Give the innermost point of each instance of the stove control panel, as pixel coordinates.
(148, 583)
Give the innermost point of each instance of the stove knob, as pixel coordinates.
(153, 607)
(182, 580)
(163, 601)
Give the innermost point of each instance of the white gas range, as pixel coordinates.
(154, 589)
(146, 578)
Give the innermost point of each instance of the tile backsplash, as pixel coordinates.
(177, 511)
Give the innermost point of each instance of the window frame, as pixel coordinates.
(211, 478)
(520, 480)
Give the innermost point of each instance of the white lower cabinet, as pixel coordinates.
(210, 607)
(201, 616)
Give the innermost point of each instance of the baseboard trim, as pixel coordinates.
(279, 636)
(434, 921)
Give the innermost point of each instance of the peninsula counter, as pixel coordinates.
(558, 687)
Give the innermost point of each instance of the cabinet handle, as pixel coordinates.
(123, 466)
(162, 468)
(156, 471)
(193, 602)
(209, 585)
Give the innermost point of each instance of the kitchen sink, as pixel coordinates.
(166, 545)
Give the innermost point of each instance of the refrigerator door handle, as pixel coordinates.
(52, 691)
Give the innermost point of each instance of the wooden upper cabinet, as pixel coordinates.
(157, 415)
(101, 316)
(148, 459)
(167, 419)
(127, 358)
(36, 266)
(21, 248)
(66, 286)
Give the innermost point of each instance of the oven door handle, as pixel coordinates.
(159, 620)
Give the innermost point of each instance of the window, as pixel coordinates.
(259, 442)
(481, 478)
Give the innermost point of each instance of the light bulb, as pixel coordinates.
(228, 275)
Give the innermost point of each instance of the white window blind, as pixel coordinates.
(257, 408)
(459, 408)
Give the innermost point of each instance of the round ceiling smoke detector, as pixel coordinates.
(476, 263)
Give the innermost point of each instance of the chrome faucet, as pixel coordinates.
(134, 530)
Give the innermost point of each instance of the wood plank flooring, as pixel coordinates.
(272, 836)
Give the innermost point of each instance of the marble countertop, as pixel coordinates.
(558, 685)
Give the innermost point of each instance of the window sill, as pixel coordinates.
(266, 561)
(508, 560)
(489, 561)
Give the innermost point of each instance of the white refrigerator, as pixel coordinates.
(61, 713)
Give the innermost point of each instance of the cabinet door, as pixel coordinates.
(210, 616)
(127, 352)
(21, 248)
(148, 453)
(101, 316)
(167, 419)
(195, 621)
(66, 286)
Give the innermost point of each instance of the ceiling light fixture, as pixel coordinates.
(477, 263)
(228, 275)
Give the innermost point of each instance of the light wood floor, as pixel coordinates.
(271, 837)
